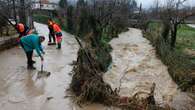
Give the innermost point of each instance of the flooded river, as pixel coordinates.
(135, 68)
(134, 65)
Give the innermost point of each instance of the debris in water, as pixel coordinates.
(49, 98)
(88, 86)
(68, 96)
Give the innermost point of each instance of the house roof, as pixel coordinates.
(49, 1)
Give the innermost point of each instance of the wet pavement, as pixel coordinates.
(134, 65)
(21, 90)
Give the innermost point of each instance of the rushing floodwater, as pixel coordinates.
(134, 61)
(135, 68)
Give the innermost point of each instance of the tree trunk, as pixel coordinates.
(1, 31)
(173, 35)
(165, 32)
(22, 13)
(14, 10)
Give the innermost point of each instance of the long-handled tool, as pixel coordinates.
(42, 66)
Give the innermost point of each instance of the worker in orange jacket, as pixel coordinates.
(51, 33)
(58, 34)
(22, 30)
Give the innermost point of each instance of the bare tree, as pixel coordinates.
(173, 14)
(63, 7)
(4, 9)
(14, 10)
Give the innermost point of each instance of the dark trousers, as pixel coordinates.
(51, 35)
(29, 58)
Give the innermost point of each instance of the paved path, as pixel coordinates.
(19, 88)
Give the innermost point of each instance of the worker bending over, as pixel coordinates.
(29, 43)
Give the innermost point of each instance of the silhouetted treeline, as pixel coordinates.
(97, 15)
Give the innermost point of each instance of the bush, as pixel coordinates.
(62, 22)
(41, 18)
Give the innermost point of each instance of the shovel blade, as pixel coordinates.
(41, 74)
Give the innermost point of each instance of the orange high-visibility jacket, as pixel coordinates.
(56, 28)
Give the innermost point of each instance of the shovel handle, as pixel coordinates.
(41, 66)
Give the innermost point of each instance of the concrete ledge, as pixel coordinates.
(8, 42)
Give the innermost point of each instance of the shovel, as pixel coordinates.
(41, 66)
(42, 73)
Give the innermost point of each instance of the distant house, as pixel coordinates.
(45, 5)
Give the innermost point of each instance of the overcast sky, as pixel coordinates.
(145, 3)
(148, 3)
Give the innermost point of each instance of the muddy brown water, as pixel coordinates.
(132, 56)
(135, 68)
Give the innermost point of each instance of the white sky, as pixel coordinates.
(145, 3)
(148, 3)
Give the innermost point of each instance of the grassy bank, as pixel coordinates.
(180, 64)
(186, 37)
(41, 18)
(44, 18)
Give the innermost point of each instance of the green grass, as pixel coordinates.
(154, 25)
(44, 19)
(185, 37)
(64, 25)
(41, 18)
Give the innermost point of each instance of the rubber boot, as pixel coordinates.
(59, 46)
